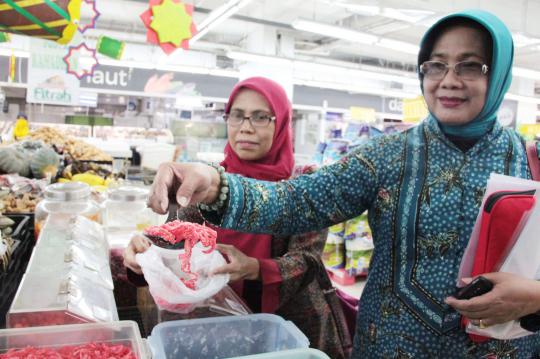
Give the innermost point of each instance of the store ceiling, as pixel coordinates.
(389, 19)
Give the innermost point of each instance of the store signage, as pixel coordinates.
(414, 109)
(48, 81)
(158, 82)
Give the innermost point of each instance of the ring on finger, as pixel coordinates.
(481, 324)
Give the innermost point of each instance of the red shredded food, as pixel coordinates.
(85, 351)
(177, 231)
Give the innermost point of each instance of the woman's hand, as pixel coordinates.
(240, 266)
(512, 297)
(187, 183)
(138, 244)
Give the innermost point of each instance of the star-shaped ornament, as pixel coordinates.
(169, 24)
(89, 7)
(81, 61)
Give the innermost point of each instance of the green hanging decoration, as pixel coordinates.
(110, 47)
(4, 37)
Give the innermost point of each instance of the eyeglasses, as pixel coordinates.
(257, 119)
(466, 70)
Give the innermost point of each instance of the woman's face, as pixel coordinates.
(454, 100)
(249, 142)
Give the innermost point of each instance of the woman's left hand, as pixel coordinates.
(240, 266)
(512, 297)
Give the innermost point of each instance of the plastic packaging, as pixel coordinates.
(225, 337)
(162, 270)
(72, 198)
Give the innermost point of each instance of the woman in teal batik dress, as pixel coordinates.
(423, 189)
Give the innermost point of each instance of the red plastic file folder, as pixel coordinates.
(501, 216)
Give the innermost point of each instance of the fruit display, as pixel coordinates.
(77, 149)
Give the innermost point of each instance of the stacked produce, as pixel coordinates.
(77, 149)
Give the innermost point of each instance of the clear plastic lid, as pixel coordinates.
(70, 191)
(129, 194)
(69, 293)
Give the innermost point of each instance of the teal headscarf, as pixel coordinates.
(500, 71)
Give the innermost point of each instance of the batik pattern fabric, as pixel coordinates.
(423, 195)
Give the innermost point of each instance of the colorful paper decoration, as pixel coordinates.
(91, 4)
(169, 24)
(4, 37)
(110, 47)
(46, 19)
(81, 61)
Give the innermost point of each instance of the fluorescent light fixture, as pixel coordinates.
(527, 73)
(407, 15)
(527, 99)
(269, 60)
(522, 40)
(334, 31)
(17, 53)
(411, 16)
(397, 45)
(217, 16)
(321, 67)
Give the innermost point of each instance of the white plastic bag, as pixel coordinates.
(162, 271)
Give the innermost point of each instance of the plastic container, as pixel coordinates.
(154, 154)
(225, 337)
(69, 270)
(126, 209)
(291, 354)
(119, 333)
(66, 198)
(63, 299)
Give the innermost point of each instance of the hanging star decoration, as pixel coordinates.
(81, 61)
(89, 6)
(169, 24)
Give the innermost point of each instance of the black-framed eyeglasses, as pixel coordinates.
(257, 119)
(466, 70)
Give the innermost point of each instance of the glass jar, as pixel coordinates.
(71, 198)
(126, 209)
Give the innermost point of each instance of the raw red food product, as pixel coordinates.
(85, 351)
(177, 231)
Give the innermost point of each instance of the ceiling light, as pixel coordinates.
(526, 73)
(217, 16)
(412, 16)
(397, 45)
(334, 31)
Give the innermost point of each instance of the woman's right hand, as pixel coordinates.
(138, 244)
(187, 183)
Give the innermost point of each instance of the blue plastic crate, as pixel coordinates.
(225, 337)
